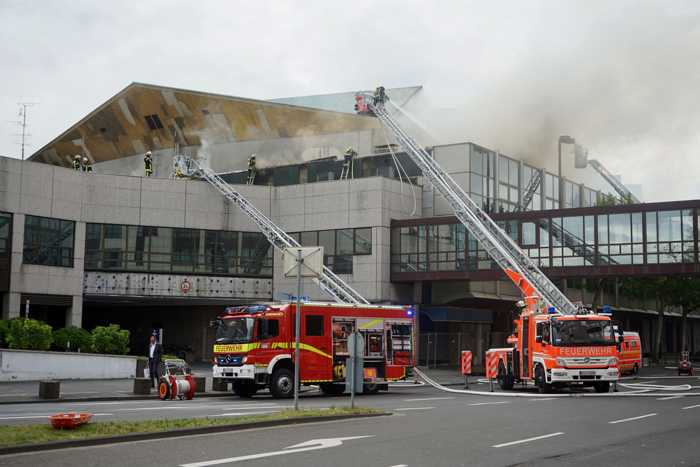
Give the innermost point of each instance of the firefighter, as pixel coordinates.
(251, 169)
(76, 163)
(380, 95)
(87, 167)
(148, 164)
(350, 153)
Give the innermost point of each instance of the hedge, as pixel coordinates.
(73, 339)
(110, 340)
(28, 334)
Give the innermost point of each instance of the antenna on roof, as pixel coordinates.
(22, 123)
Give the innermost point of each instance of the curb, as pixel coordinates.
(176, 433)
(106, 399)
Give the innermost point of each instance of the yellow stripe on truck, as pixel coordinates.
(240, 348)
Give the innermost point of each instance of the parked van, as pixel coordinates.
(630, 353)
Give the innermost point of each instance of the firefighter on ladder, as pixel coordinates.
(148, 164)
(87, 167)
(348, 159)
(380, 96)
(76, 163)
(251, 170)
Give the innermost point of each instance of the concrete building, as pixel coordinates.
(114, 246)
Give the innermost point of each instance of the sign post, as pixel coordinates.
(301, 262)
(355, 372)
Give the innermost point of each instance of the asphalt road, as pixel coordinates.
(429, 428)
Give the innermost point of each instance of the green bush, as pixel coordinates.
(4, 327)
(73, 339)
(29, 334)
(110, 339)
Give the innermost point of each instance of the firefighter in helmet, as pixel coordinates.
(350, 153)
(76, 163)
(380, 96)
(148, 164)
(87, 167)
(251, 169)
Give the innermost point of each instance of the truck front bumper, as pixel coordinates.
(582, 375)
(234, 372)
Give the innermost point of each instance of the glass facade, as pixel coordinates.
(48, 241)
(606, 239)
(528, 174)
(133, 248)
(339, 246)
(508, 183)
(572, 195)
(551, 199)
(482, 173)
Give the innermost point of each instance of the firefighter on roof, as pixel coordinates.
(251, 170)
(76, 163)
(148, 164)
(87, 167)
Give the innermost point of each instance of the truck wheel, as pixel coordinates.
(541, 380)
(244, 388)
(282, 383)
(505, 381)
(332, 389)
(602, 386)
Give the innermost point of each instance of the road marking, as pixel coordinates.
(236, 414)
(193, 407)
(527, 440)
(414, 408)
(429, 399)
(488, 403)
(633, 418)
(668, 398)
(691, 407)
(543, 399)
(311, 445)
(27, 417)
(400, 465)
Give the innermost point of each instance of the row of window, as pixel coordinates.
(48, 241)
(5, 231)
(339, 246)
(174, 250)
(606, 239)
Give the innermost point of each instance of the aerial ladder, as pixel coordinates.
(328, 281)
(536, 287)
(617, 185)
(535, 182)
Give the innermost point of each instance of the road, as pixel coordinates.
(428, 428)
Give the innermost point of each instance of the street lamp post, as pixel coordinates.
(564, 139)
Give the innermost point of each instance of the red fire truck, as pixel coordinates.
(254, 346)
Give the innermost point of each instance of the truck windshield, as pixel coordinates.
(582, 332)
(234, 331)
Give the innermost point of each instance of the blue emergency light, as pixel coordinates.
(551, 310)
(410, 311)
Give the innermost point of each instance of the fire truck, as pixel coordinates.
(255, 344)
(555, 342)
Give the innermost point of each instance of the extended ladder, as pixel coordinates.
(328, 281)
(531, 189)
(499, 245)
(619, 187)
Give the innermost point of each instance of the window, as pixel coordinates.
(268, 328)
(670, 237)
(163, 249)
(529, 177)
(482, 173)
(508, 179)
(363, 241)
(48, 242)
(153, 122)
(551, 200)
(314, 325)
(5, 229)
(339, 246)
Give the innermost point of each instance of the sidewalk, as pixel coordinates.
(91, 390)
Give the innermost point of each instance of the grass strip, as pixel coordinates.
(14, 435)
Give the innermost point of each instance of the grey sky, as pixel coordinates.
(622, 77)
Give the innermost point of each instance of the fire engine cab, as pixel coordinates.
(254, 346)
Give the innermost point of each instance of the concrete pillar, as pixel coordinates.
(11, 303)
(74, 314)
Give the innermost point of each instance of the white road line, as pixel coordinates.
(488, 403)
(691, 407)
(543, 399)
(633, 418)
(28, 417)
(668, 398)
(414, 408)
(527, 440)
(236, 414)
(400, 465)
(429, 399)
(195, 407)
